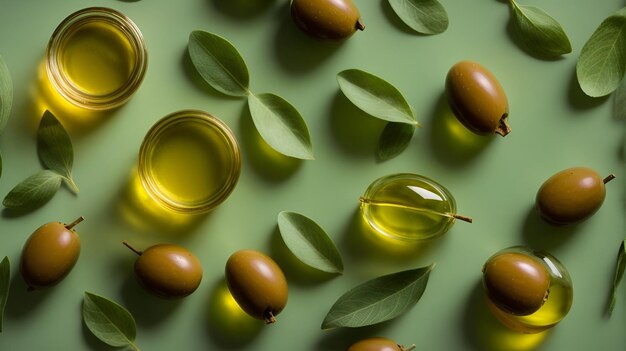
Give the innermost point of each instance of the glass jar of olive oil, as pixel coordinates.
(189, 162)
(96, 58)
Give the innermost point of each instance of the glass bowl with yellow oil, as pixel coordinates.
(96, 58)
(189, 162)
(409, 207)
(523, 271)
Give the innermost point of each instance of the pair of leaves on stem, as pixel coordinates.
(109, 321)
(6, 98)
(56, 153)
(380, 99)
(279, 123)
(423, 16)
(538, 32)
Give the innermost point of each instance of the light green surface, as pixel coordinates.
(554, 127)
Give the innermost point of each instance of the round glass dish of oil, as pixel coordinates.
(556, 292)
(408, 207)
(96, 58)
(189, 162)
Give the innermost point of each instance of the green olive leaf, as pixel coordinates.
(54, 148)
(281, 125)
(394, 139)
(108, 321)
(219, 63)
(379, 299)
(602, 61)
(538, 32)
(33, 192)
(5, 284)
(423, 16)
(309, 242)
(6, 94)
(375, 96)
(619, 273)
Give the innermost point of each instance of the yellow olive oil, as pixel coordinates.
(189, 161)
(97, 58)
(553, 310)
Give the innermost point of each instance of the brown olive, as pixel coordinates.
(167, 270)
(477, 99)
(571, 195)
(378, 344)
(516, 283)
(257, 284)
(327, 19)
(49, 254)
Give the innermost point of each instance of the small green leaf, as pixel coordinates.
(602, 62)
(375, 96)
(539, 33)
(619, 273)
(108, 321)
(394, 139)
(281, 125)
(5, 284)
(54, 147)
(309, 242)
(33, 192)
(219, 63)
(379, 299)
(6, 94)
(423, 16)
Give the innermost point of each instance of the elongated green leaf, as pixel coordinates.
(375, 96)
(5, 284)
(280, 125)
(538, 32)
(54, 147)
(108, 321)
(423, 16)
(219, 63)
(619, 273)
(394, 139)
(602, 62)
(6, 94)
(33, 192)
(309, 242)
(379, 299)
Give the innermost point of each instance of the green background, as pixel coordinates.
(494, 180)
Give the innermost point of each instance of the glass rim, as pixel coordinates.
(67, 88)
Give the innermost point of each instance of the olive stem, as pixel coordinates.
(408, 348)
(269, 318)
(360, 25)
(463, 218)
(391, 204)
(503, 128)
(608, 178)
(132, 248)
(73, 224)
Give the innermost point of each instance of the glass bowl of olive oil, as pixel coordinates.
(96, 58)
(189, 162)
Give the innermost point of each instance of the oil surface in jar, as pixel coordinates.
(408, 207)
(97, 58)
(188, 163)
(553, 310)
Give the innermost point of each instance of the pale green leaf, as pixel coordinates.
(309, 242)
(423, 16)
(379, 299)
(6, 94)
(619, 273)
(108, 321)
(5, 285)
(538, 32)
(280, 125)
(54, 147)
(219, 63)
(394, 139)
(602, 60)
(33, 192)
(375, 96)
